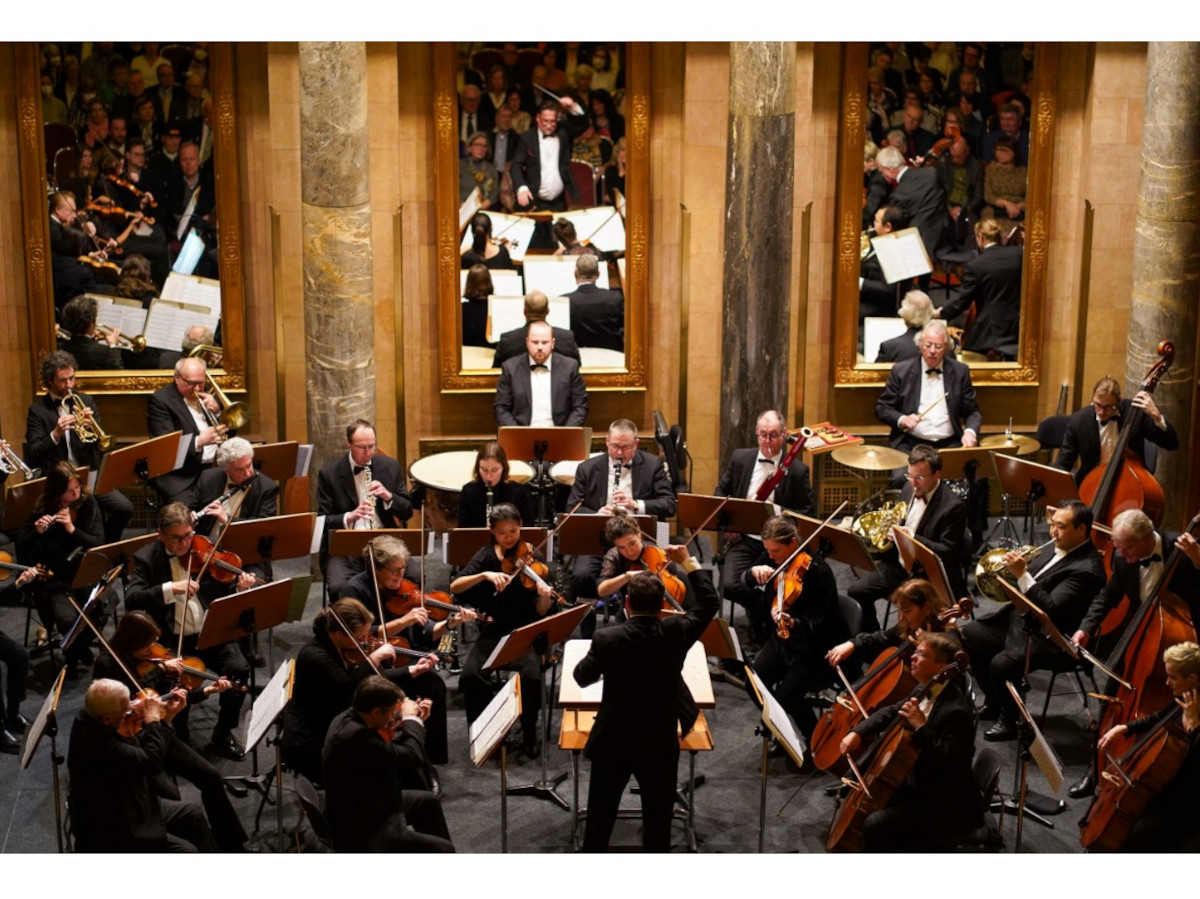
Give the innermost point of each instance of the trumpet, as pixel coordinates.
(213, 356)
(136, 344)
(11, 463)
(990, 569)
(232, 415)
(87, 429)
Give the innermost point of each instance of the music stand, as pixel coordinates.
(834, 542)
(100, 559)
(912, 551)
(139, 464)
(1039, 484)
(583, 535)
(1043, 753)
(741, 516)
(720, 640)
(539, 637)
(45, 723)
(463, 543)
(93, 601)
(351, 543)
(542, 445)
(267, 710)
(489, 732)
(244, 615)
(277, 460)
(775, 722)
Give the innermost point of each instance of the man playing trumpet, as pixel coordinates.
(184, 406)
(54, 433)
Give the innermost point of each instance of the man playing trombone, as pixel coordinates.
(184, 406)
(63, 426)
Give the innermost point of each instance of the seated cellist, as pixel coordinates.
(939, 800)
(918, 606)
(1170, 822)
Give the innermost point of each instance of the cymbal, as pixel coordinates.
(1025, 445)
(870, 458)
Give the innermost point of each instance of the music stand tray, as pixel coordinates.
(956, 460)
(463, 543)
(583, 535)
(1040, 483)
(244, 614)
(835, 542)
(557, 444)
(100, 559)
(911, 551)
(270, 539)
(139, 463)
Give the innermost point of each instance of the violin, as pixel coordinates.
(8, 566)
(885, 766)
(521, 564)
(225, 567)
(440, 605)
(135, 190)
(789, 585)
(133, 722)
(402, 648)
(654, 559)
(112, 210)
(193, 675)
(1128, 784)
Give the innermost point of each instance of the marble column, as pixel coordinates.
(335, 187)
(1166, 261)
(758, 237)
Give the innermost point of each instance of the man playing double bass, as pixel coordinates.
(1139, 552)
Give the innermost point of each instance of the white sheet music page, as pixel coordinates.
(486, 731)
(169, 320)
(193, 290)
(114, 312)
(902, 255)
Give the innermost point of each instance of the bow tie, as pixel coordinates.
(933, 371)
(358, 469)
(762, 461)
(1107, 421)
(538, 365)
(1150, 560)
(622, 465)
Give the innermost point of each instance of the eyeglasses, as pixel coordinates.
(917, 478)
(189, 383)
(769, 435)
(179, 538)
(1105, 407)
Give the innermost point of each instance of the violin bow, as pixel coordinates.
(521, 563)
(345, 630)
(187, 594)
(107, 647)
(378, 596)
(799, 549)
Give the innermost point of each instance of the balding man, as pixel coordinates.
(961, 177)
(597, 314)
(920, 194)
(537, 309)
(179, 406)
(472, 115)
(541, 388)
(196, 335)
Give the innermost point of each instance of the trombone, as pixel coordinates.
(232, 415)
(136, 344)
(10, 462)
(213, 356)
(87, 428)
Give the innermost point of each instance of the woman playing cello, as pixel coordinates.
(804, 608)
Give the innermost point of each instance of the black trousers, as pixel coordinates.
(655, 778)
(478, 689)
(226, 829)
(227, 660)
(428, 685)
(791, 675)
(16, 669)
(53, 604)
(187, 831)
(739, 557)
(422, 828)
(116, 510)
(998, 656)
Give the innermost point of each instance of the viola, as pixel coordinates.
(884, 766)
(654, 560)
(193, 675)
(225, 567)
(1128, 784)
(521, 564)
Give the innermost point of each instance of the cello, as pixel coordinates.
(886, 765)
(1162, 620)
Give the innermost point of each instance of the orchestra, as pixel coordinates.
(885, 658)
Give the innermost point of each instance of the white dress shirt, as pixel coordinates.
(550, 187)
(936, 424)
(541, 413)
(207, 453)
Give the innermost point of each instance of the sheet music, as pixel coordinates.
(304, 456)
(467, 210)
(555, 275)
(902, 255)
(778, 722)
(169, 320)
(128, 315)
(181, 452)
(507, 313)
(517, 228)
(269, 704)
(194, 290)
(38, 728)
(318, 533)
(621, 274)
(603, 226)
(486, 731)
(619, 201)
(1042, 752)
(505, 282)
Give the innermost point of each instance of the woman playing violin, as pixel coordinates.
(68, 520)
(489, 486)
(413, 627)
(938, 800)
(1169, 823)
(803, 600)
(134, 644)
(484, 584)
(918, 607)
(629, 555)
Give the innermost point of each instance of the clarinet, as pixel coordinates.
(616, 484)
(487, 512)
(371, 498)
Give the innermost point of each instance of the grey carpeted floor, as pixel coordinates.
(798, 810)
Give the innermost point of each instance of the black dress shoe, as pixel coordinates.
(9, 743)
(1000, 731)
(226, 744)
(532, 746)
(17, 724)
(1082, 788)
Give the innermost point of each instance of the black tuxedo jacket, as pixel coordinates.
(943, 529)
(91, 354)
(514, 396)
(641, 662)
(920, 194)
(67, 241)
(650, 483)
(167, 411)
(337, 495)
(902, 396)
(512, 343)
(897, 349)
(992, 281)
(1126, 581)
(261, 499)
(1082, 439)
(1064, 593)
(152, 569)
(40, 449)
(598, 317)
(527, 165)
(794, 492)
